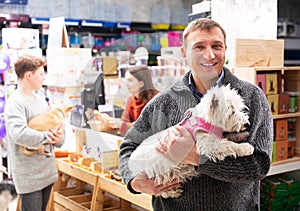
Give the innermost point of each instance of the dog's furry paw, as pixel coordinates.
(236, 137)
(174, 193)
(246, 149)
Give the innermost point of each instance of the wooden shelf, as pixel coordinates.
(291, 76)
(289, 115)
(75, 198)
(283, 166)
(118, 189)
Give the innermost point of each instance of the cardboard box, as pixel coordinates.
(281, 150)
(281, 129)
(283, 103)
(110, 66)
(261, 81)
(103, 147)
(292, 128)
(272, 83)
(259, 53)
(291, 148)
(273, 102)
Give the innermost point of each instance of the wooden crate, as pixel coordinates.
(259, 53)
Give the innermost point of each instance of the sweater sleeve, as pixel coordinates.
(256, 166)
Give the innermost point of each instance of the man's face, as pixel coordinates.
(205, 53)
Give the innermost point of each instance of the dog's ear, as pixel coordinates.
(69, 108)
(214, 103)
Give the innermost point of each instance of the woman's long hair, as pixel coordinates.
(142, 73)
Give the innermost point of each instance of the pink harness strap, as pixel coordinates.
(193, 124)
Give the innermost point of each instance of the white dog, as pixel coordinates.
(221, 111)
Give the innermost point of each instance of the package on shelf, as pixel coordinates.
(283, 103)
(280, 192)
(259, 53)
(261, 81)
(281, 150)
(293, 101)
(20, 38)
(109, 66)
(103, 147)
(65, 65)
(273, 102)
(280, 129)
(272, 83)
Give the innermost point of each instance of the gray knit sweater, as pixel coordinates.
(30, 173)
(232, 184)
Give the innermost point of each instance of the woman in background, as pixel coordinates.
(140, 85)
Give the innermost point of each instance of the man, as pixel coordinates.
(232, 184)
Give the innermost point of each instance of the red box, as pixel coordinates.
(283, 103)
(281, 129)
(261, 81)
(291, 148)
(292, 128)
(281, 150)
(273, 102)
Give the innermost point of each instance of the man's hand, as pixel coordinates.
(142, 184)
(179, 145)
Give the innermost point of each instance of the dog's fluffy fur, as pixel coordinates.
(222, 107)
(8, 192)
(45, 122)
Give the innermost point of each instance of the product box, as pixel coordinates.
(283, 103)
(292, 128)
(272, 83)
(280, 129)
(103, 147)
(291, 148)
(274, 152)
(261, 81)
(273, 102)
(281, 150)
(293, 101)
(110, 66)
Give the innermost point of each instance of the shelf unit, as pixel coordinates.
(291, 76)
(107, 194)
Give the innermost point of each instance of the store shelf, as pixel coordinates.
(291, 76)
(291, 164)
(118, 189)
(289, 115)
(76, 198)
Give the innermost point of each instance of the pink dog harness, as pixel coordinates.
(194, 124)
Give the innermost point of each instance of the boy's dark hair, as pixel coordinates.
(27, 63)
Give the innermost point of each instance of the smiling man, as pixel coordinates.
(231, 184)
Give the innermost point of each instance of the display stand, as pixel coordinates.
(75, 198)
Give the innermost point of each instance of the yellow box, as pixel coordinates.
(273, 102)
(271, 83)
